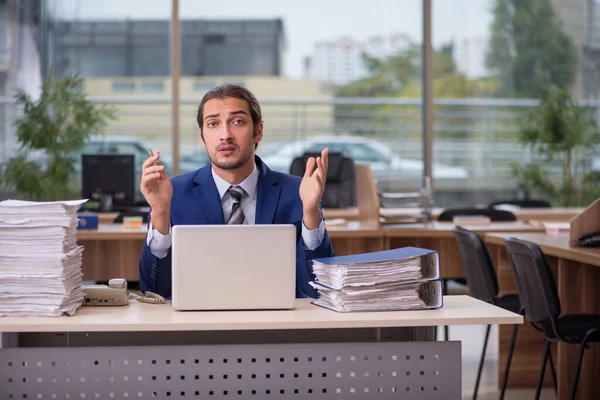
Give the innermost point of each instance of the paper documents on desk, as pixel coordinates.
(40, 261)
(37, 214)
(401, 279)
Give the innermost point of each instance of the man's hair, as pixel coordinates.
(238, 92)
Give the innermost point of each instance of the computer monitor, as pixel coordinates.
(108, 177)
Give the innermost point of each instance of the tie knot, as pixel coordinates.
(236, 193)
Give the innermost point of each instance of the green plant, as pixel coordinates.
(560, 130)
(57, 125)
(529, 49)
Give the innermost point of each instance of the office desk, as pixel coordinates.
(355, 237)
(523, 214)
(114, 251)
(577, 276)
(111, 251)
(439, 236)
(548, 214)
(349, 213)
(152, 351)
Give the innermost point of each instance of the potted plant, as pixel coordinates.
(51, 130)
(560, 130)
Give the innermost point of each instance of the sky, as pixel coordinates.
(309, 21)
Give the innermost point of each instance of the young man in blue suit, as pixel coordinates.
(235, 188)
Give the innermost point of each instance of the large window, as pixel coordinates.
(337, 74)
(19, 64)
(351, 80)
(121, 50)
(494, 60)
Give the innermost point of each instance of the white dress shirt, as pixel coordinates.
(160, 244)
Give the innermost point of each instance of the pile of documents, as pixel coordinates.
(40, 261)
(401, 279)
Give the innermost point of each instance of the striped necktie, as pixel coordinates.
(237, 216)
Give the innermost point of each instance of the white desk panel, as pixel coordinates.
(457, 310)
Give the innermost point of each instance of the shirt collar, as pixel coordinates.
(248, 184)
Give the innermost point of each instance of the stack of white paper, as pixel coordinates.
(399, 279)
(338, 276)
(40, 261)
(393, 297)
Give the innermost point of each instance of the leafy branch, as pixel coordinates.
(52, 129)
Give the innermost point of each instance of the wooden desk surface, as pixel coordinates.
(522, 214)
(346, 213)
(350, 229)
(457, 310)
(444, 229)
(112, 232)
(351, 213)
(119, 232)
(548, 214)
(552, 245)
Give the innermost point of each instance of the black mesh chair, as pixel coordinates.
(448, 215)
(483, 285)
(540, 300)
(494, 215)
(522, 203)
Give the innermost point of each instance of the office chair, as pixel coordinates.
(495, 215)
(483, 285)
(539, 296)
(340, 188)
(522, 203)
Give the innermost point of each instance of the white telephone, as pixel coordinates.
(116, 294)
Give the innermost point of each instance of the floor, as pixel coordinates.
(472, 344)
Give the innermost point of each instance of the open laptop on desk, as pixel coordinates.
(233, 267)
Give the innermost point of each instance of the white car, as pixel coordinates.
(384, 163)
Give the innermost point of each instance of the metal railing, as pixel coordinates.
(480, 135)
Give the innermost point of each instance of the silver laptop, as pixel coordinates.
(233, 267)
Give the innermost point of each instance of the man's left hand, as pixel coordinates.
(312, 187)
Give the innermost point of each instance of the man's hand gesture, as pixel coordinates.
(312, 187)
(156, 185)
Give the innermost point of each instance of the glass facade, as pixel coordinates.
(352, 81)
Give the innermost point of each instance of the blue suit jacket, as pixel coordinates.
(196, 201)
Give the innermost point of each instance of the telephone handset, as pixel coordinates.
(589, 240)
(116, 294)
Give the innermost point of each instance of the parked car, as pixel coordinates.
(384, 163)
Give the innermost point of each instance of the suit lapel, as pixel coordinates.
(208, 196)
(267, 194)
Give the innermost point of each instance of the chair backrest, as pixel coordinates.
(340, 188)
(535, 282)
(522, 203)
(477, 264)
(495, 215)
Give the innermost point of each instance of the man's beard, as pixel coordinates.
(233, 164)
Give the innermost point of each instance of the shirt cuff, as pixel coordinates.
(158, 243)
(313, 238)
